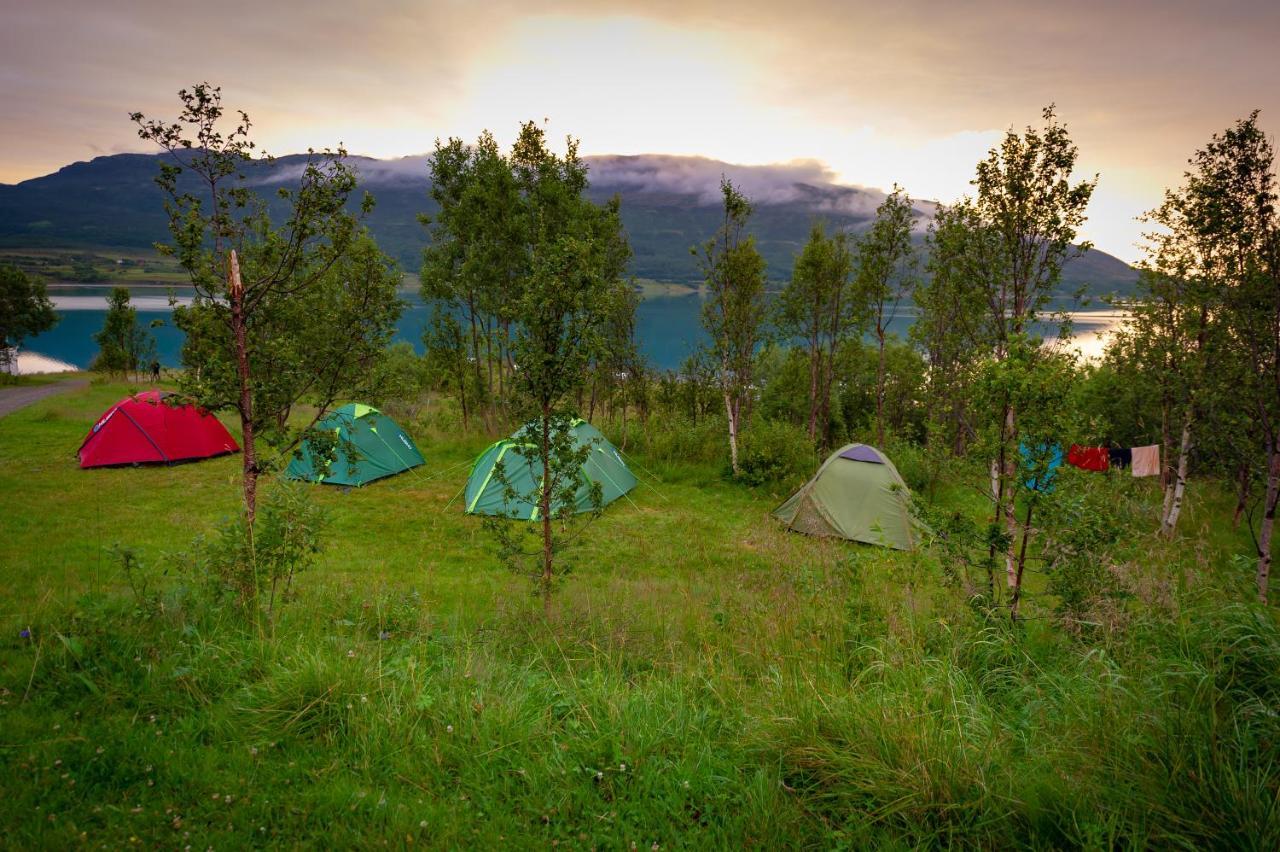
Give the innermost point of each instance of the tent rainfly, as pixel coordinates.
(858, 495)
(518, 456)
(150, 429)
(381, 449)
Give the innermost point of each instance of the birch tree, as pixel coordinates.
(817, 307)
(951, 326)
(1232, 201)
(564, 291)
(886, 274)
(734, 312)
(25, 311)
(1031, 204)
(284, 311)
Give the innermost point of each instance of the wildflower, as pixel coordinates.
(422, 824)
(448, 729)
(599, 776)
(24, 633)
(384, 635)
(686, 785)
(351, 654)
(364, 699)
(622, 767)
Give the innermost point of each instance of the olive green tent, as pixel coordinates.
(857, 494)
(381, 448)
(518, 456)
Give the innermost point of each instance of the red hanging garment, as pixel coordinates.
(1089, 458)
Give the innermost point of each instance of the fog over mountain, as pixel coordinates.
(669, 203)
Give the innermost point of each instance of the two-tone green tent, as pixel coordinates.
(381, 448)
(518, 456)
(857, 494)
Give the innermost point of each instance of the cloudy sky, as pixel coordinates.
(876, 92)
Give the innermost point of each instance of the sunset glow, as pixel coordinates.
(878, 96)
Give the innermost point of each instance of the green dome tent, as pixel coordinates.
(382, 448)
(518, 456)
(858, 495)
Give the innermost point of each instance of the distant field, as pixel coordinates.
(96, 266)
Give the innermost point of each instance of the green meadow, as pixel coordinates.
(703, 680)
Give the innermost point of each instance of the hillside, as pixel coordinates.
(668, 205)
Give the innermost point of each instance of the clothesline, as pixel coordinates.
(1141, 461)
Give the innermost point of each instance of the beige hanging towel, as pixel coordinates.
(1146, 461)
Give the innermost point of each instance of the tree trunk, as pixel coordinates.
(1010, 471)
(1242, 494)
(815, 364)
(1166, 453)
(462, 393)
(488, 354)
(1268, 519)
(624, 423)
(544, 506)
(475, 337)
(1022, 562)
(732, 411)
(249, 456)
(1173, 500)
(880, 391)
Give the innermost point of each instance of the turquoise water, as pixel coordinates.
(668, 327)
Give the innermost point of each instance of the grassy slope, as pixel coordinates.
(708, 680)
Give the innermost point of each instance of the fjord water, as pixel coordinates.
(668, 324)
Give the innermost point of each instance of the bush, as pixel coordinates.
(286, 540)
(774, 453)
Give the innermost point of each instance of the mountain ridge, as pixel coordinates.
(669, 204)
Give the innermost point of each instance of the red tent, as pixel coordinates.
(143, 429)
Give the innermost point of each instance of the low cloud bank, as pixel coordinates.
(807, 182)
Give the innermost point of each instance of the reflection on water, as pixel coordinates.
(668, 324)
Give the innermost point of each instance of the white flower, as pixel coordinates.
(622, 767)
(448, 729)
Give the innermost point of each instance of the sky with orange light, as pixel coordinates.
(878, 92)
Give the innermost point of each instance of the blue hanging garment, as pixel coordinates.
(1040, 465)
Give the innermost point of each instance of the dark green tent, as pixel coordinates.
(381, 449)
(857, 494)
(518, 456)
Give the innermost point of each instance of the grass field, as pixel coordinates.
(704, 679)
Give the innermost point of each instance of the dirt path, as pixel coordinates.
(11, 399)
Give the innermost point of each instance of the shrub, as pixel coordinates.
(775, 453)
(285, 541)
